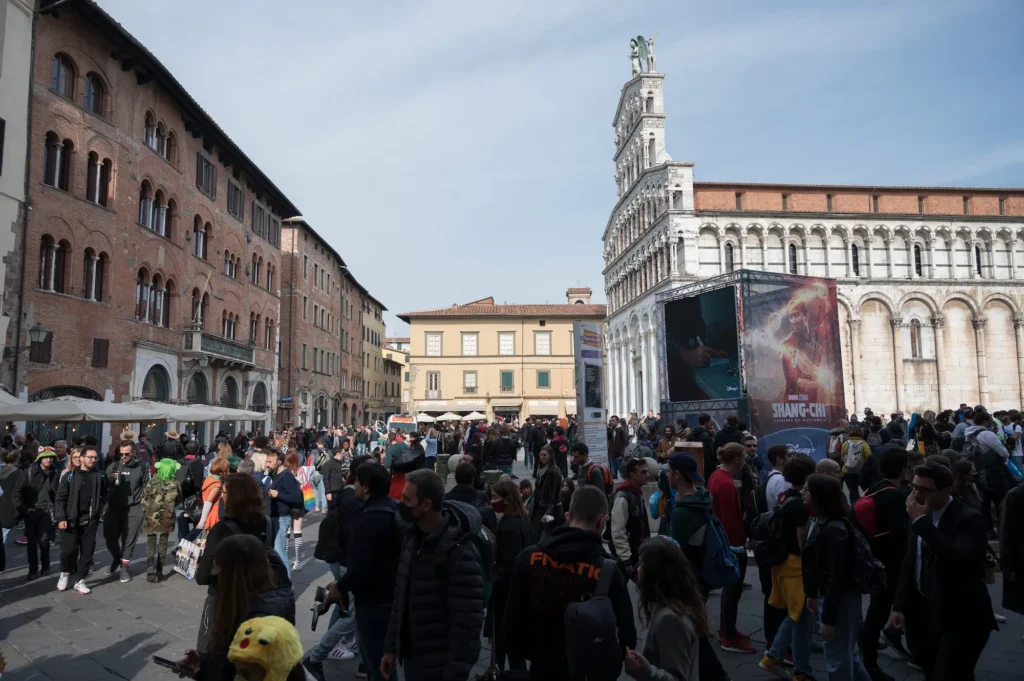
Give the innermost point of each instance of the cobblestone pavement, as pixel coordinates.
(113, 633)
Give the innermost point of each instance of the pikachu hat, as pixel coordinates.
(270, 642)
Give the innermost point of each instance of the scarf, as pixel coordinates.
(629, 487)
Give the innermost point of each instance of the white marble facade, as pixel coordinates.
(931, 306)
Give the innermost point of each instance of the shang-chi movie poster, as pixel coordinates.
(793, 367)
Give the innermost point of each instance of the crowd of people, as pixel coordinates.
(901, 514)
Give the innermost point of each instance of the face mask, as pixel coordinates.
(498, 505)
(406, 513)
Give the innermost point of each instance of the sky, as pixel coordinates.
(457, 149)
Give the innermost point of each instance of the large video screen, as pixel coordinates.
(702, 347)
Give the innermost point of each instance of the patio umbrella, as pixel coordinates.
(229, 414)
(8, 400)
(181, 412)
(424, 418)
(448, 416)
(474, 416)
(80, 409)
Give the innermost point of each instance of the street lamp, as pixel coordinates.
(38, 333)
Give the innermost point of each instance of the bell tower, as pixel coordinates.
(639, 121)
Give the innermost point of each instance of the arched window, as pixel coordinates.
(170, 147)
(977, 260)
(158, 220)
(270, 277)
(229, 393)
(198, 238)
(229, 324)
(156, 300)
(728, 258)
(142, 296)
(229, 264)
(170, 219)
(268, 335)
(915, 339)
(62, 77)
(157, 385)
(198, 392)
(145, 205)
(93, 100)
(917, 260)
(855, 258)
(57, 162)
(93, 267)
(165, 320)
(259, 403)
(254, 326)
(199, 308)
(792, 259)
(53, 264)
(149, 132)
(161, 139)
(97, 175)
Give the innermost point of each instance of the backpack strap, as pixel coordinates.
(604, 584)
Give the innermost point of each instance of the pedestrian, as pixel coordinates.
(547, 506)
(159, 497)
(334, 477)
(373, 547)
(80, 496)
(430, 449)
(673, 609)
(467, 493)
(730, 432)
(587, 473)
(1011, 549)
(617, 442)
(514, 534)
(942, 599)
(725, 500)
(285, 494)
(541, 588)
(34, 499)
(666, 446)
(526, 491)
(855, 455)
(630, 524)
(797, 628)
(704, 433)
(171, 447)
(888, 527)
(302, 478)
(828, 561)
(122, 521)
(211, 491)
(10, 477)
(247, 588)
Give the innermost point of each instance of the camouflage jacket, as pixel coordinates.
(158, 501)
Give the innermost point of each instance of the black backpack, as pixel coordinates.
(329, 547)
(591, 632)
(766, 532)
(761, 494)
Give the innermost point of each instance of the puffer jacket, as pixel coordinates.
(438, 609)
(504, 453)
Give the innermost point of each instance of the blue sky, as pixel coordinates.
(453, 150)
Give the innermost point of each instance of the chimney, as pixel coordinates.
(579, 296)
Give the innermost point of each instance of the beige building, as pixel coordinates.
(397, 350)
(511, 361)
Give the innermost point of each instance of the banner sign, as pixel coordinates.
(588, 348)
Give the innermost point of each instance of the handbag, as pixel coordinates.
(308, 496)
(187, 555)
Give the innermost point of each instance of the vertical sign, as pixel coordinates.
(588, 348)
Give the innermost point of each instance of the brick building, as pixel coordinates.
(375, 377)
(321, 379)
(152, 250)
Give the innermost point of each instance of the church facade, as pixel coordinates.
(930, 279)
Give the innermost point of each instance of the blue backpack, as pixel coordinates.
(720, 566)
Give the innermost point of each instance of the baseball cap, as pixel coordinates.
(681, 462)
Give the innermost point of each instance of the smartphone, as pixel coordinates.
(170, 664)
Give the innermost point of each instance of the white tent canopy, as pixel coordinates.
(448, 416)
(424, 418)
(81, 409)
(474, 416)
(8, 400)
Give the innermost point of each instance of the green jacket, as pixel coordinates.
(689, 515)
(392, 451)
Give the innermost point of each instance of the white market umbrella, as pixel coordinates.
(181, 412)
(448, 416)
(80, 409)
(8, 400)
(229, 414)
(474, 416)
(424, 418)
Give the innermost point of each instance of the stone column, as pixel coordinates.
(645, 372)
(92, 277)
(764, 253)
(897, 354)
(807, 259)
(912, 261)
(721, 255)
(675, 257)
(972, 264)
(828, 255)
(743, 252)
(1018, 327)
(53, 266)
(163, 220)
(849, 258)
(854, 361)
(931, 259)
(655, 370)
(630, 381)
(1012, 256)
(96, 184)
(59, 149)
(939, 328)
(785, 255)
(890, 267)
(979, 341)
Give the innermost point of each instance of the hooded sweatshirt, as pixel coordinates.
(689, 518)
(126, 483)
(562, 568)
(438, 610)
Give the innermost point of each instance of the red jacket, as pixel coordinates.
(725, 500)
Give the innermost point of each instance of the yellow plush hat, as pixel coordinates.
(270, 642)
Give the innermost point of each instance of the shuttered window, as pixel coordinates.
(100, 350)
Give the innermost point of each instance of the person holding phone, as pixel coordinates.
(77, 510)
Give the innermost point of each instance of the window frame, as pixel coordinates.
(547, 375)
(466, 336)
(206, 174)
(440, 343)
(536, 349)
(236, 192)
(512, 335)
(511, 382)
(468, 389)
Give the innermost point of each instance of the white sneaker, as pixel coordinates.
(62, 583)
(81, 588)
(341, 652)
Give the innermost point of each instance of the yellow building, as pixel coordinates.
(511, 361)
(397, 350)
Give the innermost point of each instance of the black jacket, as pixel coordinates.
(36, 489)
(289, 494)
(221, 531)
(617, 441)
(728, 433)
(1011, 554)
(514, 534)
(332, 542)
(953, 586)
(547, 498)
(277, 602)
(334, 479)
(10, 479)
(893, 526)
(438, 609)
(700, 434)
(827, 563)
(131, 479)
(478, 500)
(561, 568)
(68, 491)
(561, 447)
(172, 449)
(504, 452)
(374, 546)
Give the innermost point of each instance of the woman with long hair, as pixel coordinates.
(568, 489)
(827, 562)
(247, 588)
(74, 461)
(291, 462)
(547, 502)
(212, 488)
(672, 606)
(513, 535)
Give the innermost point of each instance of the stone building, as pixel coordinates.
(375, 378)
(930, 289)
(152, 250)
(397, 350)
(316, 345)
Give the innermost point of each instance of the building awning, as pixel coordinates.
(469, 405)
(570, 406)
(506, 403)
(544, 407)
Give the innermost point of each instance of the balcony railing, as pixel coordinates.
(201, 342)
(433, 395)
(469, 390)
(508, 388)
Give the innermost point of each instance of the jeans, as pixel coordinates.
(320, 494)
(507, 470)
(850, 480)
(39, 530)
(430, 463)
(841, 658)
(731, 599)
(797, 636)
(360, 448)
(341, 627)
(614, 464)
(182, 522)
(528, 456)
(372, 627)
(279, 528)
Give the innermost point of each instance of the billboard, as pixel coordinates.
(793, 366)
(588, 348)
(702, 347)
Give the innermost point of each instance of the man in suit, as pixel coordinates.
(942, 598)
